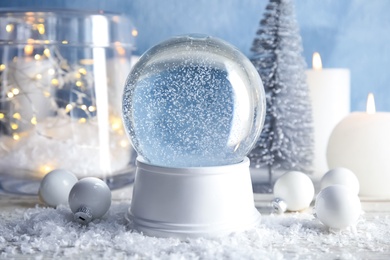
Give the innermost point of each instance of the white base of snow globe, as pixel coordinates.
(193, 202)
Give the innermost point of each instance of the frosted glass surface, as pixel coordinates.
(193, 101)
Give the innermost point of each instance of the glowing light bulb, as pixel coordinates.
(28, 50)
(46, 168)
(91, 108)
(9, 27)
(2, 67)
(46, 52)
(55, 82)
(51, 71)
(79, 83)
(68, 107)
(116, 123)
(82, 120)
(2, 115)
(202, 106)
(121, 51)
(34, 120)
(14, 126)
(83, 71)
(124, 143)
(15, 91)
(41, 28)
(17, 116)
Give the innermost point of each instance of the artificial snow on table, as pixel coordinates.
(42, 232)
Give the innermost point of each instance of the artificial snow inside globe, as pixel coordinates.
(193, 107)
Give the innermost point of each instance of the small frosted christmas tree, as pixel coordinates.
(286, 139)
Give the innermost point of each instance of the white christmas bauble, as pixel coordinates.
(90, 198)
(296, 189)
(337, 207)
(341, 176)
(55, 187)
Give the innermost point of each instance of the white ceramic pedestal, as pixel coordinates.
(193, 202)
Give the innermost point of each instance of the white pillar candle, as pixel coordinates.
(361, 142)
(330, 100)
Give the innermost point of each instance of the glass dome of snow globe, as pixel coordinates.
(193, 107)
(193, 101)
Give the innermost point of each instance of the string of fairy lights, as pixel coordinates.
(60, 74)
(39, 71)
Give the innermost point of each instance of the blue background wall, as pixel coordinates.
(352, 34)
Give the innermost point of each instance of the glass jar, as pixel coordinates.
(61, 80)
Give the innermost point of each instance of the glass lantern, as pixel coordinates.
(61, 79)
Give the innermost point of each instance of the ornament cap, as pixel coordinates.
(279, 205)
(83, 215)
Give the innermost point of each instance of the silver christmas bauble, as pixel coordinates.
(90, 198)
(296, 189)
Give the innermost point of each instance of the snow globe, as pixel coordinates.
(193, 107)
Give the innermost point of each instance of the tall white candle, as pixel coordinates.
(330, 100)
(361, 142)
